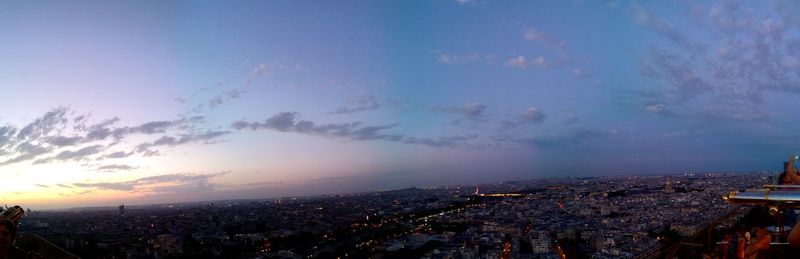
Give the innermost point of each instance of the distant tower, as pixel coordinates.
(667, 185)
(477, 190)
(122, 209)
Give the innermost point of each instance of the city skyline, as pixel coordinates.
(153, 102)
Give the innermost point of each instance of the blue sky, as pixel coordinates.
(154, 101)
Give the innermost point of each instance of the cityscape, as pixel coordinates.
(591, 217)
(380, 129)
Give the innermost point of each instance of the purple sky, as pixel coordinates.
(151, 101)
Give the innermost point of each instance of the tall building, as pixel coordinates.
(122, 209)
(667, 186)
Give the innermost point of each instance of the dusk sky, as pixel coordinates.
(136, 102)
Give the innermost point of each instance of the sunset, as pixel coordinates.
(161, 103)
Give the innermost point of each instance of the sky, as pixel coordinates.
(141, 102)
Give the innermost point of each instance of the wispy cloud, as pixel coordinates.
(740, 56)
(531, 115)
(470, 109)
(517, 62)
(206, 138)
(535, 35)
(664, 28)
(290, 122)
(571, 137)
(570, 118)
(151, 184)
(61, 136)
(473, 112)
(466, 2)
(115, 167)
(72, 154)
(365, 102)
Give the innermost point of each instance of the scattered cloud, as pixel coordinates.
(724, 73)
(115, 167)
(365, 102)
(262, 69)
(61, 136)
(153, 184)
(580, 73)
(572, 137)
(656, 108)
(72, 154)
(290, 122)
(472, 112)
(517, 62)
(218, 100)
(664, 28)
(470, 109)
(118, 154)
(522, 62)
(570, 119)
(206, 138)
(466, 2)
(531, 115)
(535, 35)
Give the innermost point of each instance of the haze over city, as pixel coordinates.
(154, 102)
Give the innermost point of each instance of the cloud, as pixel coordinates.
(118, 154)
(517, 62)
(559, 47)
(205, 138)
(290, 122)
(574, 137)
(445, 58)
(365, 102)
(660, 109)
(580, 73)
(333, 178)
(44, 125)
(533, 115)
(530, 116)
(656, 108)
(62, 141)
(535, 35)
(752, 54)
(664, 28)
(146, 184)
(466, 2)
(61, 136)
(260, 70)
(72, 155)
(734, 110)
(26, 151)
(115, 167)
(102, 131)
(570, 119)
(540, 62)
(450, 58)
(223, 97)
(522, 62)
(106, 186)
(470, 109)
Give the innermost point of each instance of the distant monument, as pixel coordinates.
(667, 186)
(122, 209)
